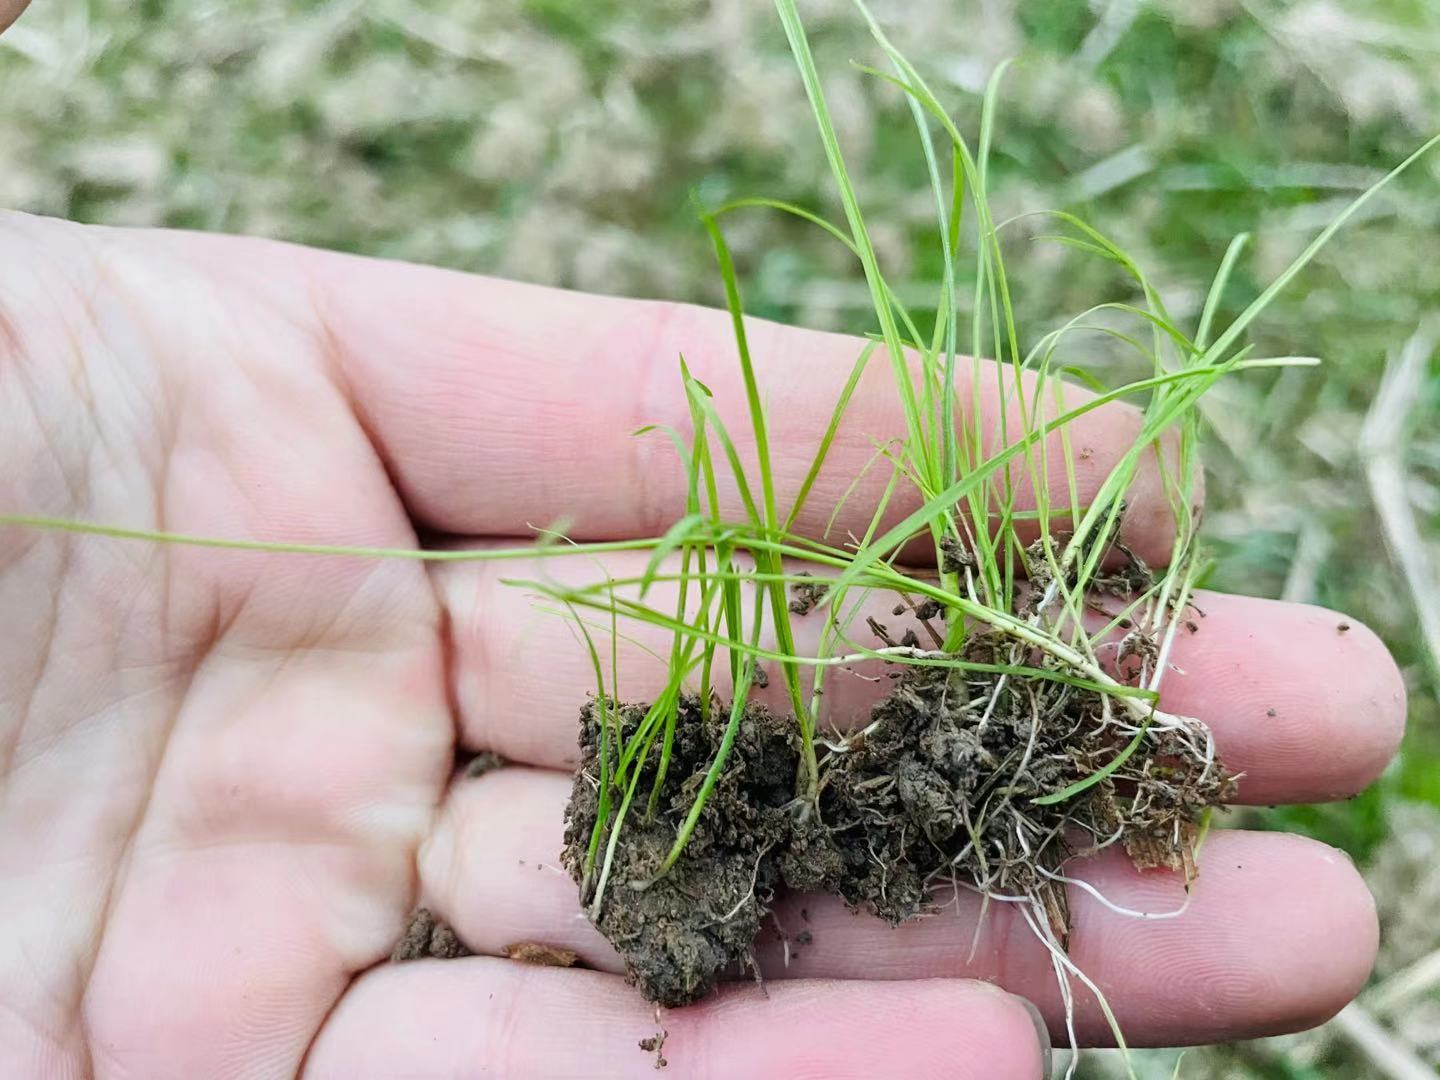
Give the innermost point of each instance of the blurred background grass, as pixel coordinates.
(559, 141)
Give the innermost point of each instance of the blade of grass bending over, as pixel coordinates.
(676, 537)
(805, 61)
(823, 450)
(282, 547)
(700, 397)
(602, 812)
(762, 203)
(913, 524)
(1217, 289)
(680, 532)
(779, 603)
(722, 550)
(550, 550)
(747, 367)
(727, 742)
(989, 262)
(1261, 302)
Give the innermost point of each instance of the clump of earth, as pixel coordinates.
(938, 789)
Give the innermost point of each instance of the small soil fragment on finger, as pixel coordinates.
(954, 556)
(1132, 577)
(805, 595)
(428, 937)
(484, 762)
(655, 1044)
(927, 609)
(534, 952)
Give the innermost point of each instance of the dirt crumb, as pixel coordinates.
(954, 556)
(927, 609)
(655, 1044)
(534, 952)
(805, 595)
(428, 937)
(482, 763)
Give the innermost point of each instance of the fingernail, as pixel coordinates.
(1042, 1033)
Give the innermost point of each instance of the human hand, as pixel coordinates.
(10, 11)
(226, 775)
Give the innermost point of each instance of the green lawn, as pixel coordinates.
(560, 141)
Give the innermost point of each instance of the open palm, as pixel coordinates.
(226, 777)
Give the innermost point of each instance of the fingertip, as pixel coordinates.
(1041, 1031)
(1379, 692)
(1291, 934)
(963, 1029)
(10, 11)
(1305, 703)
(1353, 726)
(1325, 939)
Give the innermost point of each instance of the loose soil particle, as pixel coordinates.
(485, 762)
(655, 1044)
(428, 937)
(804, 595)
(535, 952)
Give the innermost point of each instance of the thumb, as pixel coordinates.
(1042, 1031)
(10, 11)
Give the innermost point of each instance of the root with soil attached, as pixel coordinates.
(946, 786)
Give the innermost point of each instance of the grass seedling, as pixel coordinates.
(1022, 723)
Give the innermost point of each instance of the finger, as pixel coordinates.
(482, 1016)
(10, 11)
(501, 406)
(1280, 931)
(1306, 711)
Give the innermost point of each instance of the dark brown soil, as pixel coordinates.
(939, 792)
(682, 931)
(804, 595)
(428, 937)
(655, 1044)
(487, 761)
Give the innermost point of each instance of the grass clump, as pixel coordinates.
(1021, 726)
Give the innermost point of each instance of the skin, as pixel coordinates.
(10, 11)
(225, 777)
